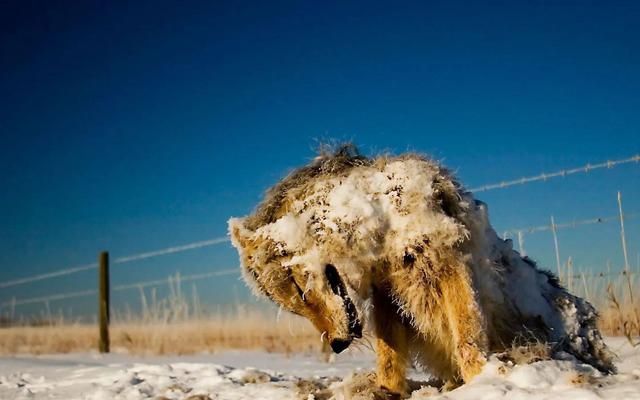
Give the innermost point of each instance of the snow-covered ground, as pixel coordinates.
(256, 375)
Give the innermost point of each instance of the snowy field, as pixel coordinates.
(256, 375)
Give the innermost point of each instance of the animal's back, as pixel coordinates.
(524, 303)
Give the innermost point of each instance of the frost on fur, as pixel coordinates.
(401, 234)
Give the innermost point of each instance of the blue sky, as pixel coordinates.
(131, 127)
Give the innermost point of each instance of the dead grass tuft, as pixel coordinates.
(527, 353)
(624, 317)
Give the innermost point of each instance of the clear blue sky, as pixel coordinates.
(131, 127)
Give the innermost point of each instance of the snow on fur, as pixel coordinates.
(408, 216)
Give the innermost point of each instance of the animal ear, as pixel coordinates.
(243, 240)
(240, 235)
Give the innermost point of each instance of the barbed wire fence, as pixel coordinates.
(518, 233)
(545, 176)
(120, 260)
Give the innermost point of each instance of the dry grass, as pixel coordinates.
(624, 317)
(176, 325)
(615, 296)
(527, 353)
(172, 325)
(254, 330)
(47, 339)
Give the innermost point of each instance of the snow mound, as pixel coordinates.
(203, 377)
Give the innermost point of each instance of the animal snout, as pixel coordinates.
(338, 345)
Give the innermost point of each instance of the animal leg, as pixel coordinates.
(466, 325)
(391, 345)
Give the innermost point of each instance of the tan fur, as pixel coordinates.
(425, 264)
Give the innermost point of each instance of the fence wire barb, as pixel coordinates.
(119, 260)
(143, 284)
(562, 173)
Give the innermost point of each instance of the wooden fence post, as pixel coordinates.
(103, 301)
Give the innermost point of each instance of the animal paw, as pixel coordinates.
(386, 394)
(472, 368)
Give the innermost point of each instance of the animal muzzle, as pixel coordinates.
(354, 326)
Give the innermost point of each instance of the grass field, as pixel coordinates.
(176, 325)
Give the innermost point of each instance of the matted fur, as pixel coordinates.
(398, 242)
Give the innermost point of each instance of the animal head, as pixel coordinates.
(318, 294)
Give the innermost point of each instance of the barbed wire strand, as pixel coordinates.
(181, 278)
(603, 274)
(119, 260)
(43, 299)
(143, 284)
(170, 250)
(562, 173)
(47, 275)
(572, 224)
